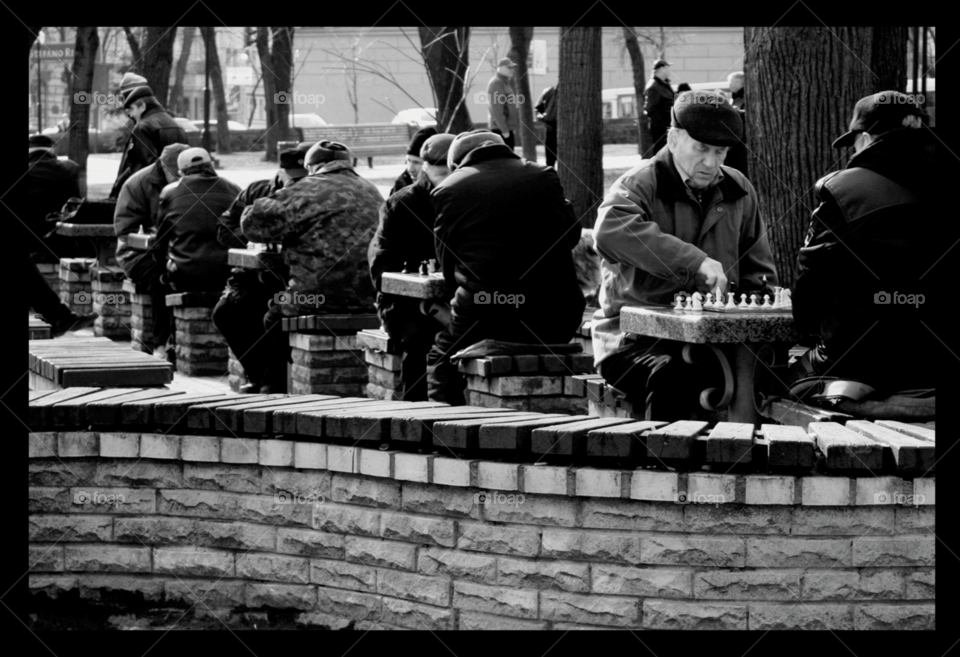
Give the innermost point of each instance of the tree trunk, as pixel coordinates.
(84, 57)
(791, 141)
(282, 52)
(209, 34)
(520, 38)
(34, 31)
(178, 103)
(134, 48)
(158, 60)
(579, 124)
(644, 142)
(888, 59)
(447, 57)
(269, 90)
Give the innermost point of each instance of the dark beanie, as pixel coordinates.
(135, 94)
(420, 136)
(708, 118)
(41, 141)
(326, 151)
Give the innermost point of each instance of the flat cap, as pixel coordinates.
(879, 113)
(135, 94)
(41, 141)
(468, 141)
(327, 151)
(170, 156)
(660, 63)
(131, 80)
(435, 149)
(506, 61)
(707, 117)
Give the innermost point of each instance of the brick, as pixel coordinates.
(500, 539)
(591, 546)
(45, 558)
(676, 615)
(377, 552)
(375, 463)
(877, 490)
(365, 491)
(275, 567)
(345, 520)
(921, 585)
(158, 446)
(154, 530)
(881, 584)
(597, 483)
(412, 467)
(311, 456)
(277, 453)
(536, 574)
(711, 488)
(418, 588)
(343, 575)
(642, 581)
(282, 596)
(416, 615)
(843, 521)
(589, 609)
(762, 489)
(799, 617)
(309, 543)
(341, 458)
(53, 472)
(50, 500)
(204, 593)
(915, 520)
(451, 472)
(234, 478)
(308, 342)
(458, 565)
(924, 490)
(736, 519)
(54, 528)
(544, 479)
(747, 585)
(138, 474)
(495, 600)
(193, 561)
(436, 500)
(693, 551)
(894, 551)
(106, 586)
(120, 445)
(895, 617)
(348, 604)
(771, 552)
(631, 515)
(107, 558)
(418, 529)
(113, 500)
(473, 620)
(42, 444)
(200, 448)
(825, 491)
(51, 585)
(75, 444)
(497, 476)
(239, 450)
(654, 486)
(530, 510)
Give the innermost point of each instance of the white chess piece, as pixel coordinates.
(787, 300)
(743, 301)
(679, 305)
(708, 303)
(753, 301)
(766, 302)
(697, 303)
(730, 303)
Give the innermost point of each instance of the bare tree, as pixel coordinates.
(84, 58)
(209, 35)
(178, 102)
(804, 112)
(644, 142)
(134, 42)
(520, 38)
(446, 54)
(579, 124)
(158, 59)
(276, 64)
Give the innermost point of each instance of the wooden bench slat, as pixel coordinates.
(370, 420)
(788, 446)
(312, 422)
(620, 440)
(40, 412)
(142, 409)
(284, 420)
(674, 441)
(729, 442)
(419, 428)
(231, 416)
(516, 435)
(71, 412)
(124, 377)
(568, 439)
(845, 449)
(912, 456)
(201, 416)
(913, 430)
(465, 434)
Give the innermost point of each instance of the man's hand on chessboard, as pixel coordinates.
(710, 276)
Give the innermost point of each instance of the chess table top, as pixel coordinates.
(86, 230)
(707, 327)
(254, 259)
(418, 286)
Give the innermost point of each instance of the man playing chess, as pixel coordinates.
(679, 222)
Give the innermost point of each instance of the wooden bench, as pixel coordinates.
(98, 361)
(324, 353)
(201, 349)
(364, 139)
(39, 329)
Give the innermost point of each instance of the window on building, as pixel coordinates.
(608, 110)
(625, 107)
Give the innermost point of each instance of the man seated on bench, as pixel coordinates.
(405, 235)
(239, 313)
(504, 234)
(137, 209)
(871, 237)
(677, 222)
(322, 222)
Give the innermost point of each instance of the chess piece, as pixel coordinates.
(743, 302)
(697, 303)
(423, 268)
(140, 232)
(731, 305)
(432, 266)
(787, 301)
(407, 269)
(679, 305)
(753, 302)
(766, 302)
(708, 303)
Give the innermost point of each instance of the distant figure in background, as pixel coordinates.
(413, 160)
(737, 155)
(683, 86)
(547, 113)
(503, 117)
(49, 182)
(657, 101)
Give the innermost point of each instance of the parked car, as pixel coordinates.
(231, 125)
(186, 124)
(419, 116)
(307, 121)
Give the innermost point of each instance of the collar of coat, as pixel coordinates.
(335, 166)
(670, 186)
(489, 151)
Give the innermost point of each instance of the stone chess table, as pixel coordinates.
(418, 286)
(102, 235)
(254, 259)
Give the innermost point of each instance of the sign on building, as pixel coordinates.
(240, 75)
(538, 56)
(54, 51)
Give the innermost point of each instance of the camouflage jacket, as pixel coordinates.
(324, 223)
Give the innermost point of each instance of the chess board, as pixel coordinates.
(781, 303)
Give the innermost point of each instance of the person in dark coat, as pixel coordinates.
(866, 243)
(49, 183)
(504, 235)
(405, 235)
(137, 209)
(47, 304)
(154, 129)
(188, 216)
(547, 113)
(413, 160)
(238, 314)
(657, 101)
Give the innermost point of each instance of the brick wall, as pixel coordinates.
(386, 540)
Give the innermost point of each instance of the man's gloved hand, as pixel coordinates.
(710, 276)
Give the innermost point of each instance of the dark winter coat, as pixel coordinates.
(155, 130)
(49, 182)
(402, 181)
(657, 102)
(137, 206)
